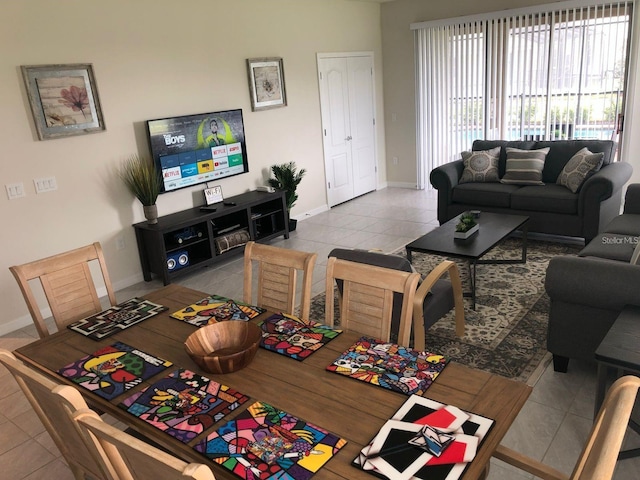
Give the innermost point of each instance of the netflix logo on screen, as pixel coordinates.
(170, 173)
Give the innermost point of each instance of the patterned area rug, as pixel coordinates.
(506, 333)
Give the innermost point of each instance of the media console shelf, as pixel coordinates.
(186, 240)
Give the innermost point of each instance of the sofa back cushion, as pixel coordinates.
(560, 152)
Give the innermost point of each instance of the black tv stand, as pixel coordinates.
(183, 241)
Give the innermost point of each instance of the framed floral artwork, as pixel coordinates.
(64, 99)
(266, 83)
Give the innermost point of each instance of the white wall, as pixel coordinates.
(156, 58)
(399, 78)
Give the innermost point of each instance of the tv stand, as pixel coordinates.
(183, 241)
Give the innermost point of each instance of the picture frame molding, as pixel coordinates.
(31, 74)
(256, 92)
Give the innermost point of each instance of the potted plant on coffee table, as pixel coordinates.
(287, 177)
(143, 179)
(466, 226)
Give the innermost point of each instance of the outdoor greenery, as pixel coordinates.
(287, 177)
(142, 178)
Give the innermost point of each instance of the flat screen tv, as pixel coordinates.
(194, 149)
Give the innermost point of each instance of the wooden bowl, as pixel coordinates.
(224, 347)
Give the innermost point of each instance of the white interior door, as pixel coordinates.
(348, 123)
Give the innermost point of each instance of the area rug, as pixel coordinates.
(506, 333)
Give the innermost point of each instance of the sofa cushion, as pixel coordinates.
(625, 224)
(611, 246)
(524, 167)
(561, 152)
(480, 166)
(580, 167)
(484, 194)
(545, 198)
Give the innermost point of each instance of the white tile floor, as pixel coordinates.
(552, 426)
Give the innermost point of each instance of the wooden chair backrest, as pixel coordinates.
(67, 283)
(277, 270)
(142, 461)
(600, 453)
(366, 303)
(55, 405)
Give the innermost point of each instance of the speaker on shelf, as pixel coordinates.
(177, 260)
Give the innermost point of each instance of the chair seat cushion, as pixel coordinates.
(611, 246)
(626, 224)
(484, 194)
(551, 198)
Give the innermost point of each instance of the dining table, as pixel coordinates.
(354, 410)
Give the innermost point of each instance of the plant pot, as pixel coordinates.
(466, 234)
(293, 223)
(150, 213)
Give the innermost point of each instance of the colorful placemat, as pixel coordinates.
(425, 440)
(215, 308)
(116, 318)
(113, 370)
(266, 443)
(389, 365)
(184, 404)
(293, 336)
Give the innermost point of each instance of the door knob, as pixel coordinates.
(348, 138)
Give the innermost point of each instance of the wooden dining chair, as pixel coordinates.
(600, 452)
(277, 275)
(55, 404)
(437, 294)
(67, 283)
(141, 461)
(366, 299)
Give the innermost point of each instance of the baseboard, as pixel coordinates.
(412, 186)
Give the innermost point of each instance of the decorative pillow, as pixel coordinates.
(581, 166)
(524, 167)
(480, 166)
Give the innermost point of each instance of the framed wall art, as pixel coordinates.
(64, 99)
(266, 83)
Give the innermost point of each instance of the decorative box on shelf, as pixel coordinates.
(466, 234)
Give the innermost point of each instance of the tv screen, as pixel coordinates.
(195, 149)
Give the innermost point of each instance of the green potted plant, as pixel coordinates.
(287, 177)
(143, 179)
(466, 226)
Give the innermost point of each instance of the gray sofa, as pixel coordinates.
(589, 291)
(552, 208)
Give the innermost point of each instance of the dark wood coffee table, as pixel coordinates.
(494, 227)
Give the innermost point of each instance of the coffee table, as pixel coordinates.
(494, 227)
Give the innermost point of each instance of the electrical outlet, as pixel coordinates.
(120, 243)
(394, 160)
(15, 190)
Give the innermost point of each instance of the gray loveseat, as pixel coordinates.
(589, 291)
(552, 208)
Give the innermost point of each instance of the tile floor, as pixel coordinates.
(552, 426)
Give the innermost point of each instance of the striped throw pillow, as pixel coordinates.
(524, 167)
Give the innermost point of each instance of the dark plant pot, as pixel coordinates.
(292, 224)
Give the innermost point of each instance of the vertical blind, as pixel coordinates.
(532, 75)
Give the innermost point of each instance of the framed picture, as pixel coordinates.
(266, 83)
(64, 99)
(213, 194)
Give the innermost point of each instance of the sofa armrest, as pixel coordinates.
(443, 179)
(603, 184)
(595, 282)
(632, 199)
